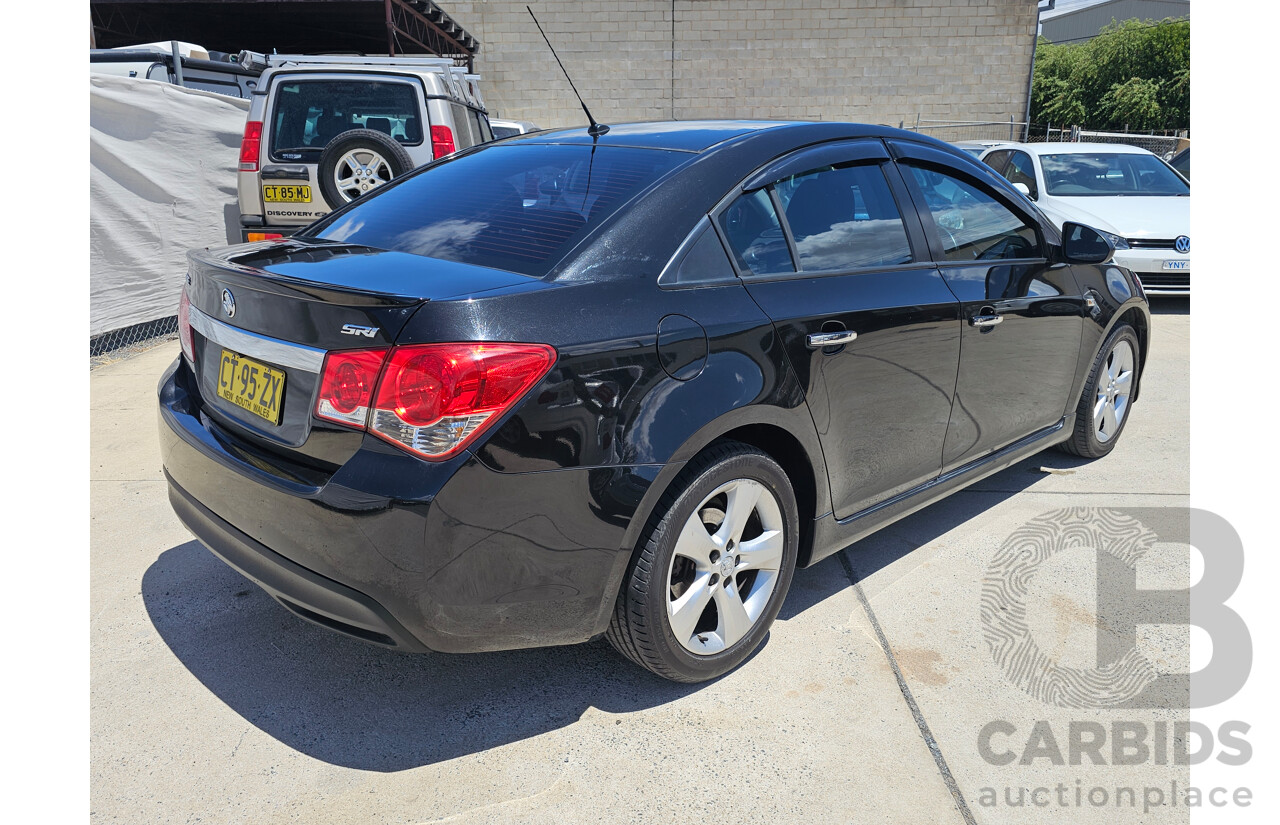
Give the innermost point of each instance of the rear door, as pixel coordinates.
(1022, 316)
(869, 325)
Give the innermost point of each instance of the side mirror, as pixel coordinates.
(1085, 245)
(1023, 188)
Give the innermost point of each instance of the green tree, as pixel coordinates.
(1135, 74)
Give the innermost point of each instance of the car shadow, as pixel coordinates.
(902, 538)
(355, 705)
(359, 706)
(1169, 305)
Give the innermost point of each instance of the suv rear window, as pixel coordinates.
(310, 113)
(518, 207)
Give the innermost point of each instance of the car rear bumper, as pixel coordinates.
(452, 556)
(301, 591)
(282, 231)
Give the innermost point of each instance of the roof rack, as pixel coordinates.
(334, 59)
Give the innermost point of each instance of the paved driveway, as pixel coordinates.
(210, 703)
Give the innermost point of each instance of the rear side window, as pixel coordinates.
(704, 262)
(972, 224)
(310, 113)
(751, 226)
(470, 127)
(843, 218)
(518, 207)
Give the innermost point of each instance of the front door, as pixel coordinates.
(868, 322)
(1022, 316)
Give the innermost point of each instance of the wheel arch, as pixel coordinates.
(784, 448)
(771, 430)
(1135, 314)
(1141, 323)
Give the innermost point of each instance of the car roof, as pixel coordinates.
(684, 135)
(698, 136)
(1063, 148)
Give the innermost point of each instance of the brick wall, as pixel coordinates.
(875, 61)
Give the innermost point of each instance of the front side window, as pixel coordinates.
(996, 160)
(519, 207)
(843, 218)
(311, 113)
(972, 224)
(1021, 170)
(1093, 174)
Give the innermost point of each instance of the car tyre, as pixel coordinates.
(712, 569)
(358, 161)
(1104, 405)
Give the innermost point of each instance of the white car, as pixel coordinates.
(976, 147)
(1130, 194)
(508, 128)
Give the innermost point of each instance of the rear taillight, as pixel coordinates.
(347, 381)
(441, 141)
(262, 236)
(431, 399)
(184, 327)
(250, 146)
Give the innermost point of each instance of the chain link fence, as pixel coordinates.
(953, 131)
(1016, 131)
(1158, 144)
(121, 343)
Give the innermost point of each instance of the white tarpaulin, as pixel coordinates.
(163, 162)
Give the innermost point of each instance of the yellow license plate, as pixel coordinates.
(251, 386)
(286, 194)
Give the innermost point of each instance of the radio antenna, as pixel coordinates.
(596, 129)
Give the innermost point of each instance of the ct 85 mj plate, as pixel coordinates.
(286, 194)
(251, 386)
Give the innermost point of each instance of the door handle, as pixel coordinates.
(986, 320)
(818, 340)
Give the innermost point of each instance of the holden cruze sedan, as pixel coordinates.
(566, 386)
(1127, 193)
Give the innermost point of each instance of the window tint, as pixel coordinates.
(311, 113)
(519, 207)
(1091, 174)
(751, 226)
(1021, 170)
(843, 219)
(996, 160)
(703, 262)
(972, 224)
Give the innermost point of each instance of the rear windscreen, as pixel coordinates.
(518, 207)
(310, 113)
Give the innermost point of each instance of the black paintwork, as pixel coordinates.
(524, 539)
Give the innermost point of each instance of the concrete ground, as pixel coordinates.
(210, 703)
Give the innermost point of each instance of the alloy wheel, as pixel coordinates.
(359, 171)
(725, 567)
(1115, 385)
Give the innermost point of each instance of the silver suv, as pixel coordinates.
(322, 131)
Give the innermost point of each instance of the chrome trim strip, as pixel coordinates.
(271, 350)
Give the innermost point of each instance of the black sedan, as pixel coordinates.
(566, 385)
